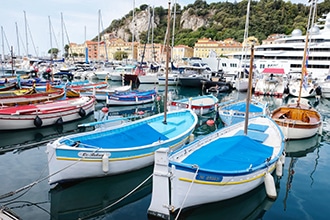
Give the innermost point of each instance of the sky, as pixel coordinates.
(80, 18)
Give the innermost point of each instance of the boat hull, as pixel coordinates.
(234, 112)
(131, 98)
(297, 122)
(200, 105)
(118, 149)
(48, 114)
(209, 169)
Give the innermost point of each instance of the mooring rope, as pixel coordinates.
(185, 198)
(119, 200)
(41, 179)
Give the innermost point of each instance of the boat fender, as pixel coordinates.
(279, 168)
(59, 121)
(270, 186)
(282, 158)
(37, 122)
(191, 138)
(82, 112)
(210, 122)
(105, 163)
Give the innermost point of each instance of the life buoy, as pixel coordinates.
(82, 112)
(37, 122)
(59, 121)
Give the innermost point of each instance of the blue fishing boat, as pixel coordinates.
(222, 165)
(118, 149)
(134, 97)
(232, 112)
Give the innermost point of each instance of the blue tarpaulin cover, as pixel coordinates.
(230, 154)
(135, 136)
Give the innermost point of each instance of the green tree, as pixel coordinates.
(53, 52)
(120, 55)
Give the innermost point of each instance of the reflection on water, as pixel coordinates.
(306, 165)
(95, 197)
(296, 149)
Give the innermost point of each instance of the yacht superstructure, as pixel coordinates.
(288, 52)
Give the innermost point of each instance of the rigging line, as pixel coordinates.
(52, 29)
(28, 203)
(42, 179)
(119, 200)
(5, 37)
(192, 182)
(67, 37)
(34, 47)
(105, 44)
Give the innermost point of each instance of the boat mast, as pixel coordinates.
(249, 92)
(26, 36)
(17, 39)
(50, 36)
(133, 32)
(98, 36)
(304, 64)
(167, 45)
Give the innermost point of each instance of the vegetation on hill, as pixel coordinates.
(227, 20)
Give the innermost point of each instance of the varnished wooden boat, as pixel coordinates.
(25, 99)
(298, 121)
(7, 86)
(17, 92)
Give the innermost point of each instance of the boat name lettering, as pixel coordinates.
(209, 178)
(92, 154)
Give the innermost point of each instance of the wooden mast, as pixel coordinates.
(249, 92)
(167, 58)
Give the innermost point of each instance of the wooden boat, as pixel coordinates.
(7, 86)
(200, 104)
(233, 111)
(298, 120)
(221, 165)
(134, 97)
(37, 97)
(44, 114)
(117, 149)
(85, 85)
(17, 92)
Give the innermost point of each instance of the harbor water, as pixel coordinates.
(303, 190)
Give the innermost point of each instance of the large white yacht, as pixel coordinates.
(288, 52)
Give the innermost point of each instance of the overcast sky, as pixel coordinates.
(78, 15)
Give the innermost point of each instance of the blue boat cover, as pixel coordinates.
(132, 137)
(255, 135)
(241, 107)
(231, 154)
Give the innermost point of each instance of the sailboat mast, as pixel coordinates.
(133, 31)
(249, 92)
(167, 45)
(50, 36)
(304, 66)
(17, 39)
(26, 35)
(98, 36)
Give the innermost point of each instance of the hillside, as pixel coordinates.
(217, 21)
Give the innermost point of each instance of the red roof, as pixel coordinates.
(274, 70)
